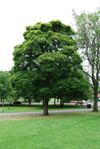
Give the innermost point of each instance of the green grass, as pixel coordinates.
(37, 108)
(21, 109)
(65, 131)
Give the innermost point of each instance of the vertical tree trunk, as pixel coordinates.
(9, 102)
(54, 101)
(45, 107)
(29, 101)
(61, 103)
(95, 105)
(95, 90)
(2, 105)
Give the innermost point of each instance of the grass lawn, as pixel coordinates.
(37, 108)
(64, 131)
(21, 109)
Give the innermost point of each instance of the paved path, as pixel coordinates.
(41, 113)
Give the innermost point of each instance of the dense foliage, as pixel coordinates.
(47, 64)
(5, 85)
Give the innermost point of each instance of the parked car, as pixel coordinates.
(17, 102)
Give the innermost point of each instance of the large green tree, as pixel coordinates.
(88, 37)
(48, 57)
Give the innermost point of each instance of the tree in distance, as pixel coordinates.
(5, 86)
(88, 39)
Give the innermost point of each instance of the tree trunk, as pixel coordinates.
(2, 105)
(9, 102)
(95, 105)
(61, 103)
(95, 90)
(54, 101)
(45, 107)
(29, 101)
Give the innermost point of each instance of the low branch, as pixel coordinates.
(88, 76)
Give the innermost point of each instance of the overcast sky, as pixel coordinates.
(16, 14)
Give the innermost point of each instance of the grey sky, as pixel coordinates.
(16, 14)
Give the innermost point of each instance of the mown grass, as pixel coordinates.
(64, 131)
(21, 109)
(36, 108)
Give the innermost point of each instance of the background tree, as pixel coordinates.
(5, 86)
(47, 56)
(22, 85)
(88, 37)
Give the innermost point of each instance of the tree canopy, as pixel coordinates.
(49, 63)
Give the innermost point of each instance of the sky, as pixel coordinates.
(15, 15)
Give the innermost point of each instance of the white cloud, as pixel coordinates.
(16, 14)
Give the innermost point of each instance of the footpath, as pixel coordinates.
(53, 112)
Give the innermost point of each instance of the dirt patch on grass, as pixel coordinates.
(7, 118)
